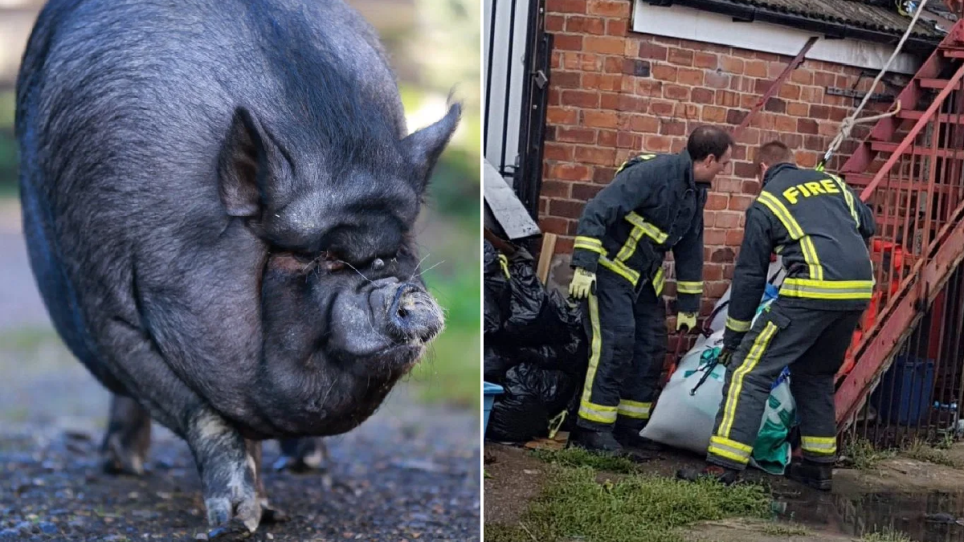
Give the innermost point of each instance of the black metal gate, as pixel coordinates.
(525, 168)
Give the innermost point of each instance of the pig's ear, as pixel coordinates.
(242, 159)
(425, 146)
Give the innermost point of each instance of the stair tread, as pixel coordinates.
(927, 82)
(861, 181)
(909, 114)
(887, 146)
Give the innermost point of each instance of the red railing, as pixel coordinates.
(918, 198)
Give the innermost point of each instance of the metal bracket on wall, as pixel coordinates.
(859, 95)
(774, 87)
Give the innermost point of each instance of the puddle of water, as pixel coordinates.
(924, 517)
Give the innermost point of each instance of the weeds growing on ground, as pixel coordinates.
(785, 529)
(576, 457)
(921, 451)
(640, 508)
(886, 535)
(863, 456)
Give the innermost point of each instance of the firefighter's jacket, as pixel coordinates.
(653, 205)
(819, 227)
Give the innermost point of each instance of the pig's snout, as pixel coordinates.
(411, 313)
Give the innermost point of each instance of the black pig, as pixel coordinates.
(218, 199)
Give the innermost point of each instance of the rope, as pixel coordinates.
(848, 123)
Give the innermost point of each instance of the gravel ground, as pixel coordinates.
(411, 472)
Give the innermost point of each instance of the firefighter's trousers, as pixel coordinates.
(813, 343)
(626, 328)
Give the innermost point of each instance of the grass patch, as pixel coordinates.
(8, 107)
(639, 508)
(450, 372)
(862, 455)
(886, 535)
(27, 339)
(575, 457)
(785, 529)
(921, 451)
(460, 294)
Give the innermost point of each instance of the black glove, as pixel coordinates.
(726, 355)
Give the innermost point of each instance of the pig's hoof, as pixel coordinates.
(244, 511)
(120, 460)
(270, 514)
(309, 463)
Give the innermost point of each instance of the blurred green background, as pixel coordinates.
(434, 46)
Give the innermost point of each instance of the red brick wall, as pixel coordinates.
(614, 93)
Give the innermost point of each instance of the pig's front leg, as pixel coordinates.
(228, 470)
(128, 437)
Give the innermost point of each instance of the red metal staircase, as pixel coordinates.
(911, 171)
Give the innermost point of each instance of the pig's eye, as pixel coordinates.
(324, 261)
(304, 258)
(329, 261)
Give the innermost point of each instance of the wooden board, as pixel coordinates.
(505, 207)
(545, 256)
(558, 443)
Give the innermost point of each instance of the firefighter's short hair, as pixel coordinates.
(706, 141)
(773, 153)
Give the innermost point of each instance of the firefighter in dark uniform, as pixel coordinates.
(820, 228)
(653, 205)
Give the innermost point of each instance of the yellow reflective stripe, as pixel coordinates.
(739, 326)
(820, 445)
(620, 269)
(596, 351)
(589, 243)
(652, 231)
(810, 255)
(730, 443)
(783, 215)
(504, 264)
(643, 157)
(684, 287)
(848, 197)
(590, 248)
(629, 247)
(659, 281)
(730, 449)
(736, 386)
(728, 454)
(796, 232)
(827, 289)
(778, 249)
(588, 240)
(597, 413)
(634, 409)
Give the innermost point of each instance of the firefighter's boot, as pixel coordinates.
(631, 438)
(597, 441)
(816, 475)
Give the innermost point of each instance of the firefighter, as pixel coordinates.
(820, 228)
(653, 205)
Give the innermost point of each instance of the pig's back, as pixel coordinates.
(154, 84)
(123, 106)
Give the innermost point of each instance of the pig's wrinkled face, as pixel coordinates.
(344, 311)
(354, 277)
